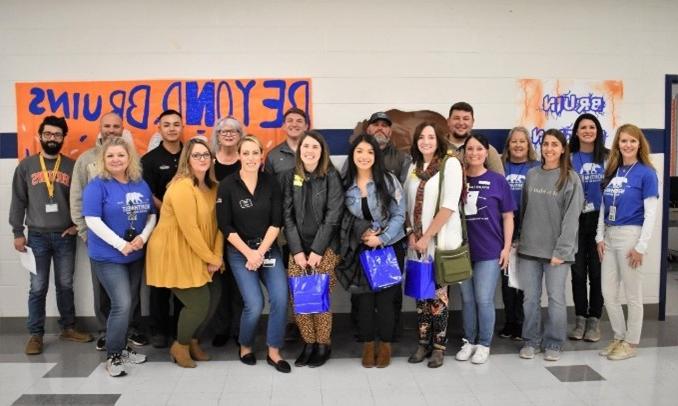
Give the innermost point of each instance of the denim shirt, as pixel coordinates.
(392, 226)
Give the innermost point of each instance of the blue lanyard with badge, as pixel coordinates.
(51, 206)
(612, 215)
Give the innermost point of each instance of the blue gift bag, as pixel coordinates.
(380, 266)
(420, 279)
(310, 293)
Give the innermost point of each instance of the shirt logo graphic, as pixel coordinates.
(515, 181)
(133, 198)
(246, 203)
(616, 186)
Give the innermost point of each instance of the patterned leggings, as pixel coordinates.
(316, 328)
(432, 318)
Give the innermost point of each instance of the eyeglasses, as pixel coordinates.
(224, 131)
(52, 136)
(201, 157)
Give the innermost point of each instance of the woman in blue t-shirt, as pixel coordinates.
(587, 146)
(119, 212)
(627, 216)
(518, 158)
(489, 218)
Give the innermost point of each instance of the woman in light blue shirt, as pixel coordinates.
(375, 195)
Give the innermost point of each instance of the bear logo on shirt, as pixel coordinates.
(133, 198)
(515, 180)
(590, 168)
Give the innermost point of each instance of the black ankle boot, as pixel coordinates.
(320, 356)
(306, 355)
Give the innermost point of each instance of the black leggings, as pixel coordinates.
(586, 268)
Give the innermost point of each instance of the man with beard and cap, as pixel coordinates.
(395, 160)
(460, 123)
(40, 189)
(110, 125)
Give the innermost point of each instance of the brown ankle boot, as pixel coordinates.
(368, 354)
(196, 352)
(179, 353)
(383, 355)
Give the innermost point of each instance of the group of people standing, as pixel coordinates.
(210, 221)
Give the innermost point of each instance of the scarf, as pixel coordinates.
(424, 176)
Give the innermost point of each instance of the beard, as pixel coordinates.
(51, 147)
(382, 140)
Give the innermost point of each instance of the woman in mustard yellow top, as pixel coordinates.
(186, 247)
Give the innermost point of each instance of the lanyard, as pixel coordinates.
(46, 175)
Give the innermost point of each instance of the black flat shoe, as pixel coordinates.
(320, 356)
(248, 359)
(306, 355)
(280, 366)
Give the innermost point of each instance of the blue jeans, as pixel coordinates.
(530, 275)
(47, 247)
(275, 280)
(117, 280)
(477, 295)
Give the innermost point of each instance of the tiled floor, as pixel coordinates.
(580, 377)
(73, 374)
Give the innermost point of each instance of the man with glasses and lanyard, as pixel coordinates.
(40, 192)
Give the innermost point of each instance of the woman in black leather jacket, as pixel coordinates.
(313, 205)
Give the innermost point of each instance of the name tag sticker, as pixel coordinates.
(51, 208)
(269, 263)
(471, 206)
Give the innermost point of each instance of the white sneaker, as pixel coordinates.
(132, 357)
(466, 351)
(114, 366)
(481, 354)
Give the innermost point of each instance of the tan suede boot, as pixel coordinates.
(179, 353)
(196, 352)
(383, 355)
(368, 354)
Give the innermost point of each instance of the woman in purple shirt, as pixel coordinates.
(489, 218)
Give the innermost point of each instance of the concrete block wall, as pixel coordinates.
(361, 56)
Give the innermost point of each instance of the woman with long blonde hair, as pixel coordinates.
(627, 217)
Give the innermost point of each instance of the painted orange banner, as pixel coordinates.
(257, 103)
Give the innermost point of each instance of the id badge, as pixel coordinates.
(269, 263)
(51, 208)
(613, 213)
(588, 207)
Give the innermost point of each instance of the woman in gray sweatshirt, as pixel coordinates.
(552, 201)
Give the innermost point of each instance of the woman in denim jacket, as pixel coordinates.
(375, 195)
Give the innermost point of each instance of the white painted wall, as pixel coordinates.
(362, 57)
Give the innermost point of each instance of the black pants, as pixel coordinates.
(586, 267)
(226, 320)
(378, 313)
(159, 308)
(513, 303)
